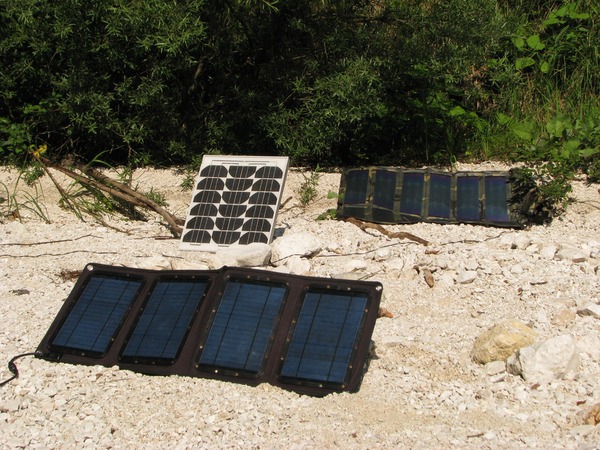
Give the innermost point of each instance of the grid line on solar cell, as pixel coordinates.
(323, 340)
(164, 322)
(242, 327)
(98, 314)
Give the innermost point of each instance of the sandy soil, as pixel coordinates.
(421, 390)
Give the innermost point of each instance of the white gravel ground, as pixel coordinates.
(420, 391)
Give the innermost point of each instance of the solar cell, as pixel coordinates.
(324, 338)
(227, 189)
(467, 198)
(411, 198)
(356, 187)
(440, 203)
(95, 319)
(164, 322)
(384, 194)
(496, 199)
(242, 328)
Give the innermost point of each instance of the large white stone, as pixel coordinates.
(255, 254)
(299, 244)
(555, 358)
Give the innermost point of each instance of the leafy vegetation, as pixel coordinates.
(326, 83)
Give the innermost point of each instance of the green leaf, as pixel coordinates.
(535, 43)
(544, 67)
(552, 20)
(523, 63)
(571, 145)
(503, 119)
(587, 152)
(556, 126)
(519, 42)
(457, 111)
(523, 130)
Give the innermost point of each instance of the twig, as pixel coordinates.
(58, 254)
(396, 235)
(49, 242)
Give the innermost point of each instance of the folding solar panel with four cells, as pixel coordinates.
(306, 334)
(235, 201)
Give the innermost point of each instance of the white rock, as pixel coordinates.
(591, 309)
(299, 244)
(382, 254)
(590, 344)
(255, 254)
(521, 242)
(466, 276)
(573, 254)
(495, 367)
(543, 362)
(548, 250)
(298, 265)
(155, 263)
(355, 265)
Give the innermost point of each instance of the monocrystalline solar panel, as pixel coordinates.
(307, 334)
(324, 338)
(164, 322)
(95, 319)
(230, 193)
(242, 328)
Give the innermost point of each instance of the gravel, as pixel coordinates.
(421, 389)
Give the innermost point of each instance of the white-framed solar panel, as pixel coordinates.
(235, 201)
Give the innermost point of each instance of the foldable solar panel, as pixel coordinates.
(394, 195)
(306, 334)
(235, 201)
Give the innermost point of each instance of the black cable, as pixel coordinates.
(13, 367)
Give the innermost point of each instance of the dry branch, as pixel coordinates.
(117, 190)
(392, 235)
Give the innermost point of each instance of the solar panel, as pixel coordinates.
(92, 324)
(157, 337)
(395, 195)
(324, 338)
(235, 202)
(306, 334)
(242, 327)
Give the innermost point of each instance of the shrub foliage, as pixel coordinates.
(327, 83)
